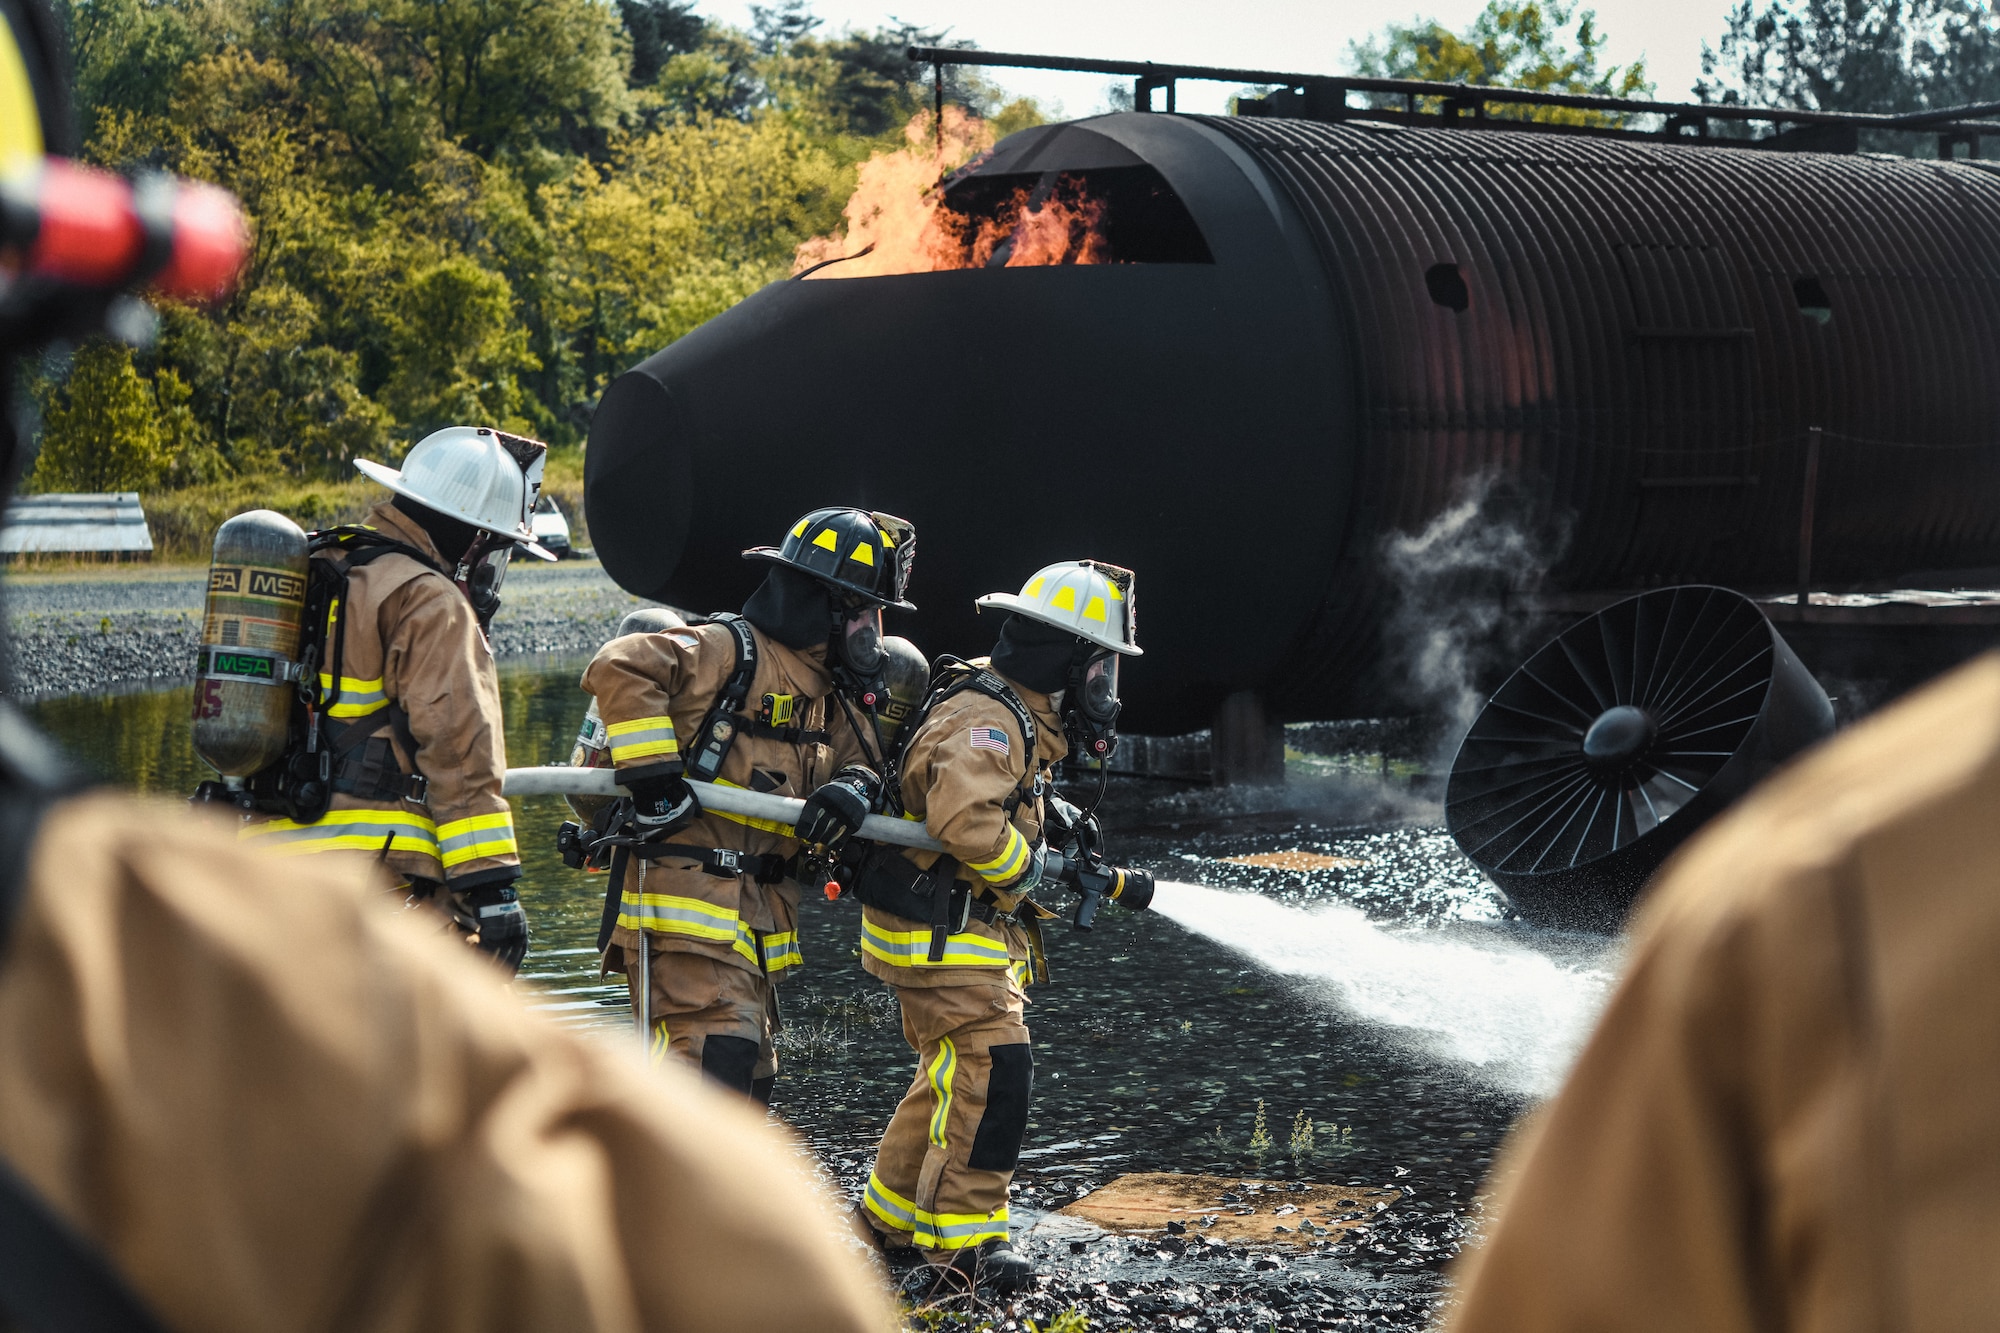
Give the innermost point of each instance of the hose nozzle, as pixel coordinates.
(1095, 882)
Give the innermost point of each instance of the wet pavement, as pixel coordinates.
(1369, 983)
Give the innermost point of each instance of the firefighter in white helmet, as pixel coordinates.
(957, 934)
(409, 713)
(247, 1094)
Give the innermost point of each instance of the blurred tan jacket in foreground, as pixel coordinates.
(1789, 1116)
(275, 1104)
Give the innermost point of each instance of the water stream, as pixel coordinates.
(1510, 1012)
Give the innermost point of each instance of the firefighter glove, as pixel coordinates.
(662, 805)
(833, 814)
(492, 917)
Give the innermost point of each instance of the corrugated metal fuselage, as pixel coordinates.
(1630, 343)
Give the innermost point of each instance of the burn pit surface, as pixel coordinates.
(1153, 1047)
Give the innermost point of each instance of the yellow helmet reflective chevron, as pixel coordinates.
(1089, 598)
(866, 554)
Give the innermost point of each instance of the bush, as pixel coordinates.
(184, 521)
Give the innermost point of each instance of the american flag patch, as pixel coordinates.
(989, 738)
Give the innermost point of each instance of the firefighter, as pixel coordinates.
(956, 934)
(775, 700)
(241, 1094)
(410, 700)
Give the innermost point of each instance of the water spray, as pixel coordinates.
(1512, 1013)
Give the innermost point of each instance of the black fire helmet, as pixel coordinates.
(865, 554)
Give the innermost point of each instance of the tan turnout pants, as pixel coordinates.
(944, 1164)
(716, 1016)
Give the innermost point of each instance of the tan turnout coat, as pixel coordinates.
(1789, 1115)
(275, 1102)
(653, 691)
(413, 644)
(958, 779)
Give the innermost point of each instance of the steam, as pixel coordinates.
(896, 221)
(1455, 624)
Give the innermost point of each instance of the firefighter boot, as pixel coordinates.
(996, 1264)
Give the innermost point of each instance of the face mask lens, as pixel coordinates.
(861, 640)
(491, 570)
(1099, 699)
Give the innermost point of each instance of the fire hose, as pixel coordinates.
(1081, 869)
(557, 780)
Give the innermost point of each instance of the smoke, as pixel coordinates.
(1458, 620)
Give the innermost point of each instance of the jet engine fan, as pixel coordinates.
(1620, 738)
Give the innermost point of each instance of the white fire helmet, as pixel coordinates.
(1089, 598)
(466, 472)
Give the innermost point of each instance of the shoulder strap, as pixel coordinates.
(720, 726)
(364, 546)
(52, 1280)
(954, 676)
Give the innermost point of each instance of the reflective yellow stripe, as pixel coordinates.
(356, 698)
(671, 914)
(662, 1041)
(941, 1071)
(781, 950)
(642, 738)
(911, 948)
(937, 1231)
(20, 119)
(767, 825)
(346, 831)
(1009, 864)
(1024, 972)
(464, 840)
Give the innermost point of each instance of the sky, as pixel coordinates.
(1292, 36)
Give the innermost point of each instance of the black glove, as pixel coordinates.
(492, 918)
(834, 813)
(662, 805)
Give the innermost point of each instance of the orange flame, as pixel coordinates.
(896, 222)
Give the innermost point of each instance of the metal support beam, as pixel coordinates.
(1245, 746)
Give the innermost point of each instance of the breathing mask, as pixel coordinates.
(1090, 719)
(855, 657)
(481, 572)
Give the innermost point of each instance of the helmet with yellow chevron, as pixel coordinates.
(1071, 623)
(1089, 598)
(865, 555)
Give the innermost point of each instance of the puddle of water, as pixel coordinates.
(1515, 1015)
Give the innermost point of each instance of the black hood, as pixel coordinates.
(793, 608)
(1035, 654)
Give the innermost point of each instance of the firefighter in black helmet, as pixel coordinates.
(778, 699)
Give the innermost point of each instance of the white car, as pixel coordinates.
(551, 529)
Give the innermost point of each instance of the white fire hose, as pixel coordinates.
(561, 780)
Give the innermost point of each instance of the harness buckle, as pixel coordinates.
(728, 862)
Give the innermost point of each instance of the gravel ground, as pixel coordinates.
(85, 633)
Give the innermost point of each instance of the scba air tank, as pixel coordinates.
(247, 676)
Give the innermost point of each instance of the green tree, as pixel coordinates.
(1548, 47)
(104, 430)
(1855, 55)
